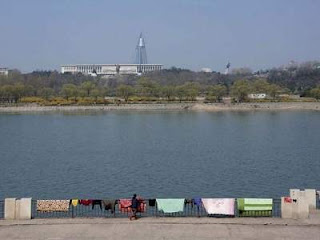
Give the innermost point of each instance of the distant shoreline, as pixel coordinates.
(214, 107)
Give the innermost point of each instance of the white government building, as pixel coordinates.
(110, 69)
(141, 65)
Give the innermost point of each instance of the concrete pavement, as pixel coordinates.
(161, 228)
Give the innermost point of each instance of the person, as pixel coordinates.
(134, 207)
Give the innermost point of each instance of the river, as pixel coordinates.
(158, 154)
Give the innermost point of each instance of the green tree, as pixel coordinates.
(69, 90)
(1, 94)
(82, 93)
(125, 91)
(315, 92)
(191, 90)
(104, 91)
(148, 88)
(217, 91)
(272, 90)
(18, 91)
(180, 92)
(46, 93)
(260, 86)
(168, 91)
(87, 86)
(240, 90)
(95, 93)
(29, 90)
(7, 92)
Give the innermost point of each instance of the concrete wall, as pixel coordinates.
(10, 208)
(17, 209)
(25, 208)
(308, 195)
(295, 209)
(300, 204)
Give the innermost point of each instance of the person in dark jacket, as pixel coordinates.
(134, 207)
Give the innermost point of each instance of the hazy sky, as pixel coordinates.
(43, 34)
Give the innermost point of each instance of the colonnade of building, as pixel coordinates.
(110, 69)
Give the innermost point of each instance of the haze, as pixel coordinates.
(42, 35)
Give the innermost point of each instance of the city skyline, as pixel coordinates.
(39, 35)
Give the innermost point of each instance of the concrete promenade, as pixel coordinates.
(161, 228)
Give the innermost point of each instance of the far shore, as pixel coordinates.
(213, 107)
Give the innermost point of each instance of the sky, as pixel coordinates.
(193, 34)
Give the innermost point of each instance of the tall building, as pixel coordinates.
(141, 53)
(139, 67)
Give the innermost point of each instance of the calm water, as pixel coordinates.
(158, 154)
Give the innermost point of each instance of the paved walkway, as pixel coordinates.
(161, 228)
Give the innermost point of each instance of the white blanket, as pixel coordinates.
(222, 206)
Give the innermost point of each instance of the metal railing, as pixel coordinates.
(190, 210)
(1, 209)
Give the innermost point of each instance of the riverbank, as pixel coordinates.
(273, 106)
(314, 106)
(161, 228)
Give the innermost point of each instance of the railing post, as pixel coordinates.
(198, 211)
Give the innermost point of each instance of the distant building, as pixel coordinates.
(4, 71)
(141, 51)
(226, 71)
(290, 96)
(110, 69)
(257, 95)
(227, 100)
(140, 66)
(206, 70)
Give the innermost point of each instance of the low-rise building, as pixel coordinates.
(110, 69)
(4, 71)
(206, 70)
(290, 96)
(257, 95)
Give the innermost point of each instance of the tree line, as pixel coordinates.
(169, 84)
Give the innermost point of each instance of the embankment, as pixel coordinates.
(314, 106)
